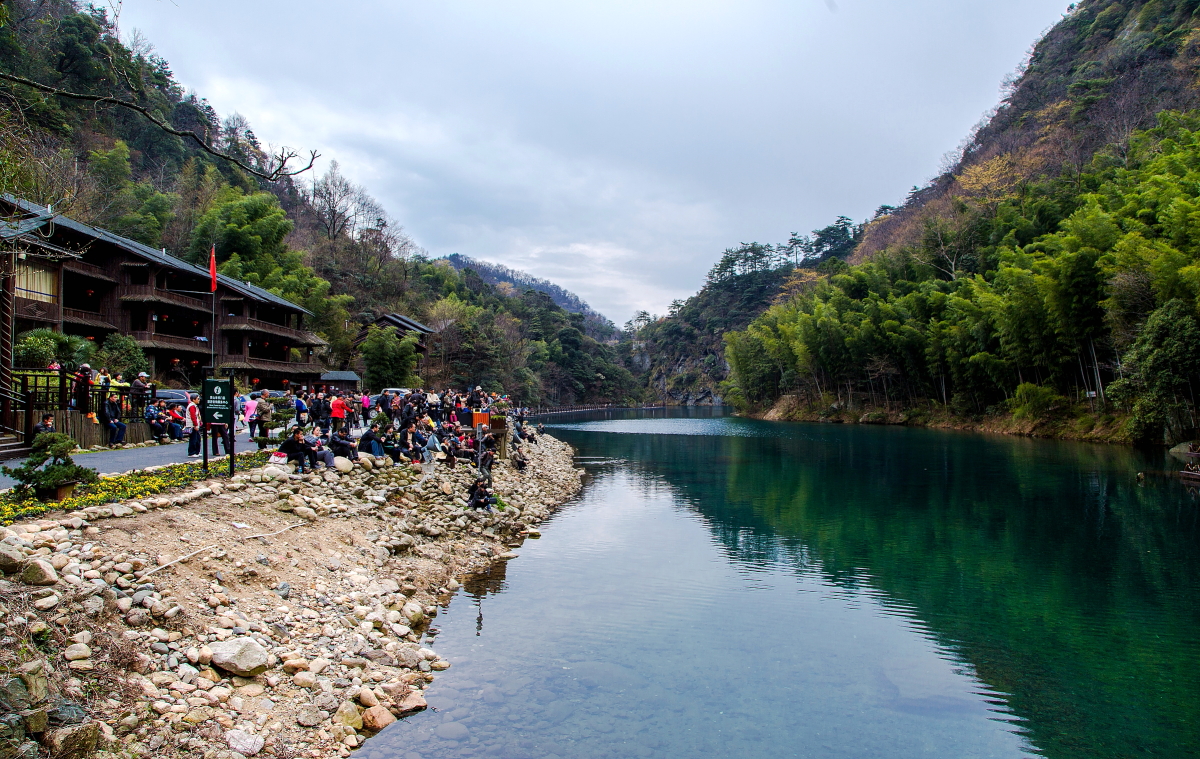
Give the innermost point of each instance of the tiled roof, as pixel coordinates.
(157, 256)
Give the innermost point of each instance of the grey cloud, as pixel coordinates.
(615, 148)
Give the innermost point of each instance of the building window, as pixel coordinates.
(37, 281)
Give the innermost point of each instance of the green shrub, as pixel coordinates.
(68, 350)
(33, 351)
(1035, 402)
(121, 354)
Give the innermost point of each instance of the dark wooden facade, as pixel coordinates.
(87, 281)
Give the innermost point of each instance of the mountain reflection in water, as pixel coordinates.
(734, 586)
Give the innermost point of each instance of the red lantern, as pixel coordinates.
(285, 382)
(255, 380)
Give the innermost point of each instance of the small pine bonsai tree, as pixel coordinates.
(50, 465)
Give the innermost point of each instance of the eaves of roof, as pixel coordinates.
(151, 254)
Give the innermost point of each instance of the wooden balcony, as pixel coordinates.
(246, 324)
(269, 365)
(171, 342)
(152, 294)
(88, 270)
(87, 318)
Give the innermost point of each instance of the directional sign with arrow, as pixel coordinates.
(216, 401)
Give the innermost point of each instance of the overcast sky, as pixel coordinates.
(615, 147)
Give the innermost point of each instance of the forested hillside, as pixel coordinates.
(318, 240)
(680, 358)
(510, 281)
(1052, 275)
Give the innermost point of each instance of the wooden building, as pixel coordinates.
(83, 280)
(403, 325)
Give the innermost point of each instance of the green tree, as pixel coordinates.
(390, 360)
(251, 226)
(1161, 366)
(69, 350)
(121, 353)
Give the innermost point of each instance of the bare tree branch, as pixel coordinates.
(274, 173)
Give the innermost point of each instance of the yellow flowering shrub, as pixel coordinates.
(125, 487)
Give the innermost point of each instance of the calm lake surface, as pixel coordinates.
(730, 587)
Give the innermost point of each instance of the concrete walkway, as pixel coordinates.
(122, 460)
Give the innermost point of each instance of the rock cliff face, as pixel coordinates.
(240, 617)
(1097, 76)
(696, 397)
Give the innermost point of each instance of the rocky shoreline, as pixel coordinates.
(1091, 428)
(273, 614)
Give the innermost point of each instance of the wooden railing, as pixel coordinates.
(185, 343)
(88, 317)
(547, 410)
(91, 270)
(150, 293)
(258, 325)
(271, 364)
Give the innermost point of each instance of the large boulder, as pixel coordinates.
(11, 560)
(413, 702)
(348, 715)
(413, 612)
(240, 656)
(376, 718)
(244, 743)
(74, 741)
(407, 657)
(39, 572)
(343, 464)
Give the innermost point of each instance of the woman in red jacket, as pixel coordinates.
(338, 412)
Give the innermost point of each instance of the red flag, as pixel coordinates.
(212, 267)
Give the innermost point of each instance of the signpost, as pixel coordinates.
(216, 407)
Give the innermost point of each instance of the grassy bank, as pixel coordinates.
(1070, 422)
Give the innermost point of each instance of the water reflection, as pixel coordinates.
(783, 590)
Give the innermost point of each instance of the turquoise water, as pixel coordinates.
(732, 587)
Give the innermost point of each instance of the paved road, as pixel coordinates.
(123, 460)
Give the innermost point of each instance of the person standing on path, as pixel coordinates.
(81, 391)
(239, 411)
(265, 411)
(193, 423)
(337, 412)
(250, 410)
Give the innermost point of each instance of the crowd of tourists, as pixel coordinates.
(425, 428)
(422, 428)
(106, 398)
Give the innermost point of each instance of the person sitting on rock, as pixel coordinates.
(298, 450)
(370, 442)
(391, 444)
(479, 496)
(343, 445)
(323, 454)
